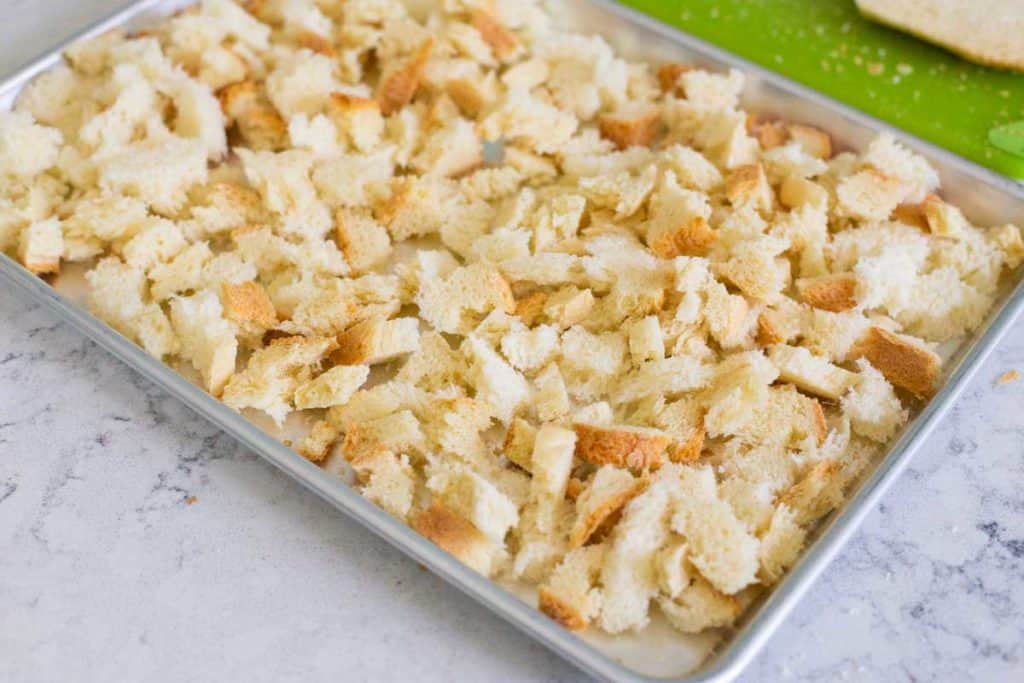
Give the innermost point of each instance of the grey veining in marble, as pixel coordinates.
(139, 543)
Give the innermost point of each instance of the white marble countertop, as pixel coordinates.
(139, 543)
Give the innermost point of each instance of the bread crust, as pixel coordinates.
(603, 513)
(503, 42)
(904, 364)
(631, 447)
(398, 87)
(454, 534)
(668, 76)
(835, 293)
(695, 238)
(631, 130)
(247, 302)
(561, 611)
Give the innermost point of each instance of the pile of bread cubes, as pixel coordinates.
(582, 322)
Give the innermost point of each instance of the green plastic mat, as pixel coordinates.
(828, 46)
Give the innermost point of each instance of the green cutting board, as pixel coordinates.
(828, 46)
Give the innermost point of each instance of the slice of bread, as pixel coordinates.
(984, 31)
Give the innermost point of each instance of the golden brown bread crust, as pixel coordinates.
(620, 446)
(559, 610)
(531, 307)
(911, 214)
(355, 345)
(904, 364)
(836, 293)
(638, 130)
(605, 514)
(815, 141)
(694, 238)
(767, 334)
(689, 451)
(248, 302)
(818, 420)
(397, 88)
(450, 532)
(770, 134)
(669, 73)
(258, 123)
(503, 42)
(317, 43)
(744, 182)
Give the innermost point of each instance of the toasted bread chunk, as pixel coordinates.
(363, 241)
(819, 492)
(41, 246)
(474, 498)
(207, 339)
(331, 388)
(869, 195)
(496, 381)
(457, 535)
(552, 399)
(631, 126)
(872, 406)
(273, 373)
(683, 421)
(780, 545)
(903, 363)
(519, 441)
(813, 141)
(602, 501)
(570, 595)
(699, 607)
(259, 124)
(796, 192)
(836, 293)
(317, 444)
(503, 42)
(719, 546)
(748, 186)
(628, 574)
(390, 482)
(247, 303)
(376, 340)
(646, 341)
(811, 373)
(398, 87)
(668, 76)
(638, 448)
(944, 220)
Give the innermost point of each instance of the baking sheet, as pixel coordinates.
(659, 651)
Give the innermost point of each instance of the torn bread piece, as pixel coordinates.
(602, 500)
(904, 363)
(835, 293)
(811, 373)
(633, 125)
(331, 388)
(571, 595)
(398, 86)
(457, 535)
(375, 340)
(699, 607)
(638, 448)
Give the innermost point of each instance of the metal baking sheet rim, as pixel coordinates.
(737, 651)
